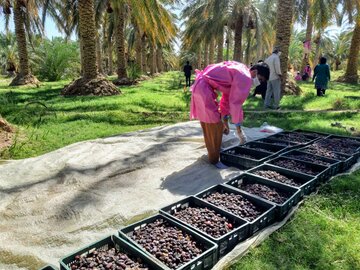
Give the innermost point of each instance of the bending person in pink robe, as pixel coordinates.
(234, 81)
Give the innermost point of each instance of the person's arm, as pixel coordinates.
(277, 66)
(328, 73)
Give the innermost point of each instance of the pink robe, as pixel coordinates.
(233, 80)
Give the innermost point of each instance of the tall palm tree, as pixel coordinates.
(351, 74)
(90, 83)
(285, 11)
(25, 18)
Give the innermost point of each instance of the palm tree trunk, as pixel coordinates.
(206, 55)
(152, 58)
(351, 74)
(220, 47)
(211, 51)
(309, 29)
(138, 51)
(120, 43)
(285, 10)
(98, 54)
(24, 76)
(248, 44)
(88, 38)
(228, 45)
(110, 55)
(238, 37)
(159, 59)
(143, 54)
(199, 58)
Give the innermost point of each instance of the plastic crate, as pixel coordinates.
(320, 135)
(49, 267)
(346, 161)
(107, 243)
(335, 165)
(308, 183)
(265, 147)
(281, 209)
(226, 242)
(267, 216)
(232, 159)
(203, 262)
(356, 153)
(280, 136)
(323, 174)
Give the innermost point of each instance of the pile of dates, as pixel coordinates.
(317, 149)
(287, 144)
(293, 137)
(318, 135)
(106, 259)
(266, 192)
(309, 158)
(295, 166)
(167, 243)
(343, 145)
(206, 220)
(272, 175)
(236, 204)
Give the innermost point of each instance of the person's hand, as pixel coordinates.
(226, 130)
(241, 135)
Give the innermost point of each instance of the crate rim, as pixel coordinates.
(336, 162)
(271, 155)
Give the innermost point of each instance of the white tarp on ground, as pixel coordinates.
(57, 203)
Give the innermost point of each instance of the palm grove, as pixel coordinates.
(134, 37)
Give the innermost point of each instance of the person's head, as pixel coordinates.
(322, 60)
(277, 50)
(260, 61)
(187, 62)
(298, 73)
(261, 70)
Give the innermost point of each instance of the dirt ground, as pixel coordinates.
(6, 134)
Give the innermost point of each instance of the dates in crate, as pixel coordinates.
(266, 192)
(272, 175)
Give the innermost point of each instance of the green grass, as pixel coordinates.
(324, 233)
(339, 96)
(68, 120)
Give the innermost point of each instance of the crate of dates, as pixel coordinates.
(335, 165)
(306, 183)
(257, 213)
(343, 144)
(110, 252)
(265, 147)
(49, 267)
(319, 135)
(244, 158)
(294, 137)
(288, 145)
(283, 196)
(220, 227)
(172, 244)
(346, 161)
(322, 173)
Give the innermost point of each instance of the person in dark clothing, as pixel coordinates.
(263, 69)
(322, 75)
(187, 72)
(261, 89)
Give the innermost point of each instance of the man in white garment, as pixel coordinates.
(274, 83)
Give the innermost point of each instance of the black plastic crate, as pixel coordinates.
(307, 183)
(230, 157)
(203, 262)
(335, 165)
(281, 209)
(346, 161)
(226, 242)
(273, 141)
(356, 152)
(49, 267)
(265, 147)
(323, 173)
(267, 216)
(319, 135)
(283, 137)
(111, 242)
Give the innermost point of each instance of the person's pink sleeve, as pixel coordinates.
(239, 92)
(224, 105)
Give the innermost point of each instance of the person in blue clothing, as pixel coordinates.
(187, 72)
(322, 75)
